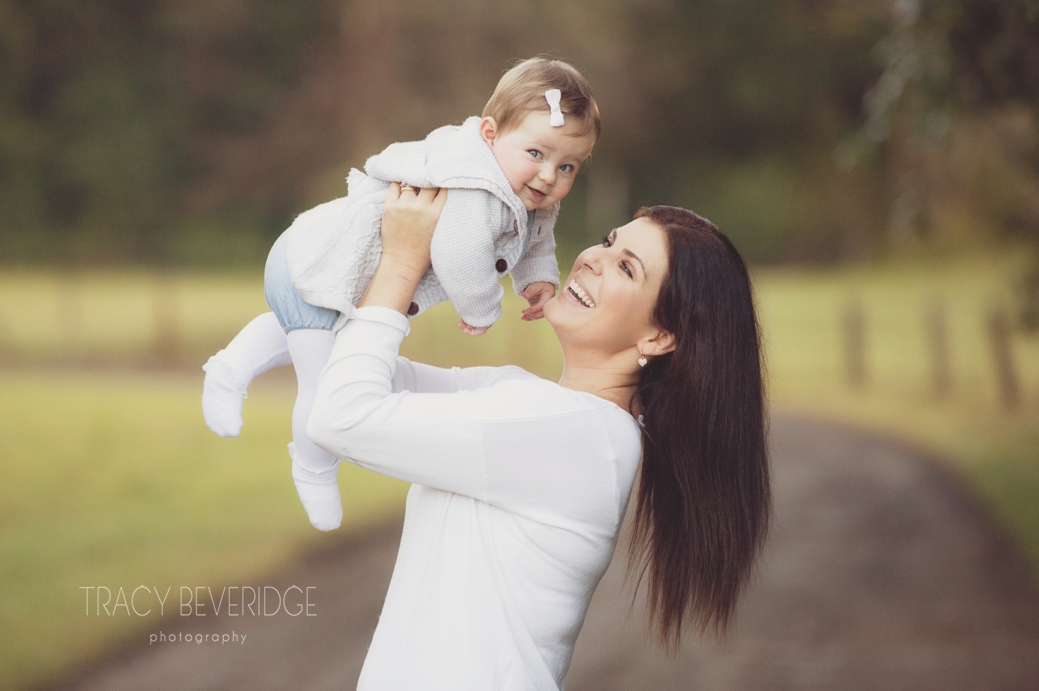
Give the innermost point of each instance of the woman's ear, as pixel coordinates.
(661, 343)
(488, 130)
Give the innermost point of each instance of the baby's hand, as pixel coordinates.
(472, 330)
(537, 294)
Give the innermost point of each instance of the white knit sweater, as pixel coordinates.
(484, 231)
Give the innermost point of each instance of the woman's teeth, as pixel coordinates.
(578, 292)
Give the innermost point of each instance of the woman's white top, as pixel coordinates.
(519, 489)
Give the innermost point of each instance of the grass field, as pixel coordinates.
(110, 477)
(114, 480)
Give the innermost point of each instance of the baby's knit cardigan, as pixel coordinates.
(484, 231)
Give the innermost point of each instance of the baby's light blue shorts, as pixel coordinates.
(291, 310)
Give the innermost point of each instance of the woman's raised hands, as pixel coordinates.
(408, 220)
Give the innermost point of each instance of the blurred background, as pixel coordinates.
(876, 162)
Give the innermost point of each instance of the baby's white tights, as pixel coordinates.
(314, 471)
(259, 347)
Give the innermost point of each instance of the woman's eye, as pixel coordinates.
(606, 241)
(626, 269)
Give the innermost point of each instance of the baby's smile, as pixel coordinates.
(537, 195)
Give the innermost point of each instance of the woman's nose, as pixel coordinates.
(592, 259)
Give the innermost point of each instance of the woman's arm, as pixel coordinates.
(356, 415)
(515, 445)
(429, 439)
(409, 222)
(521, 445)
(419, 377)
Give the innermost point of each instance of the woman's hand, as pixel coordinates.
(408, 221)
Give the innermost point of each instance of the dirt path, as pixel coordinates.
(879, 575)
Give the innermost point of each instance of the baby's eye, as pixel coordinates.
(566, 168)
(535, 153)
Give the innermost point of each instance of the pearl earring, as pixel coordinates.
(642, 359)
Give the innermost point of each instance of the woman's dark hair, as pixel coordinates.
(704, 497)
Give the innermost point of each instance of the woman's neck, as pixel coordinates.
(616, 386)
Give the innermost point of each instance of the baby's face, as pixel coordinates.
(539, 161)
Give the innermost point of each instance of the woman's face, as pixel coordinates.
(606, 304)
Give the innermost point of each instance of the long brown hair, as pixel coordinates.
(704, 497)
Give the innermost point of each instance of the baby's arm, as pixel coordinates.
(462, 252)
(537, 294)
(536, 274)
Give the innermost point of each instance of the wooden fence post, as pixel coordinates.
(1003, 357)
(5, 333)
(70, 309)
(165, 317)
(855, 343)
(938, 337)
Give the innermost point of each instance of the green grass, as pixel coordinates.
(123, 316)
(140, 317)
(112, 479)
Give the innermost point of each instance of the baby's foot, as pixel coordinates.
(319, 492)
(222, 392)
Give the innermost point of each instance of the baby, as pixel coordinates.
(506, 173)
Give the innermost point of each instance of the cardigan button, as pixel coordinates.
(412, 309)
(501, 265)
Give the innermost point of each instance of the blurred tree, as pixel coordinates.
(191, 131)
(110, 111)
(955, 119)
(743, 102)
(87, 137)
(995, 54)
(701, 102)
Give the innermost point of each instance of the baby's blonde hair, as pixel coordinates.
(521, 90)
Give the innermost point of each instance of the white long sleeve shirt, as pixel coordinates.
(519, 489)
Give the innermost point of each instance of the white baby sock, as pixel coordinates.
(314, 471)
(318, 491)
(227, 378)
(259, 347)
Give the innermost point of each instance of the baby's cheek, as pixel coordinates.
(565, 190)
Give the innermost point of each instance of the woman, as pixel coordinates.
(520, 484)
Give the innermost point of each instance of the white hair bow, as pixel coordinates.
(555, 118)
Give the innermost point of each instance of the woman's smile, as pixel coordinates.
(579, 294)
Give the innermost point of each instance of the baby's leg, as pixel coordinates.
(259, 347)
(313, 470)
